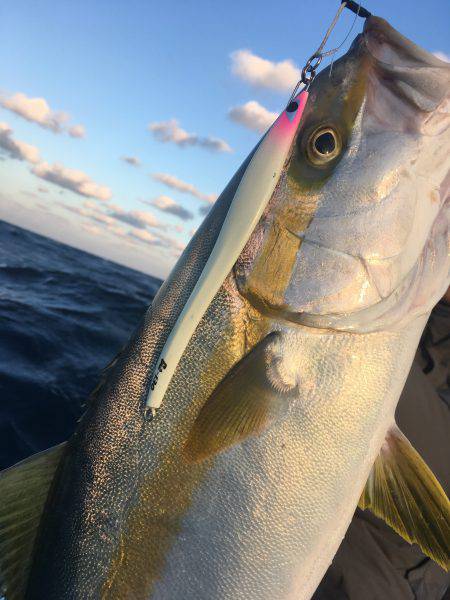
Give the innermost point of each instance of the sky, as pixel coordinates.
(121, 122)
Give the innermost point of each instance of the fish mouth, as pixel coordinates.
(406, 82)
(390, 47)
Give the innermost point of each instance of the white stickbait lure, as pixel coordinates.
(250, 200)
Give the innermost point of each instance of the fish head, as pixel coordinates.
(356, 234)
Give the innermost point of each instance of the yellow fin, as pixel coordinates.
(403, 491)
(23, 492)
(244, 404)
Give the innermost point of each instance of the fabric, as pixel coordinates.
(373, 562)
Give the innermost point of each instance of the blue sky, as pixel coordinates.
(117, 67)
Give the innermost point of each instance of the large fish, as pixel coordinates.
(281, 407)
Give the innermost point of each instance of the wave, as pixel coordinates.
(64, 314)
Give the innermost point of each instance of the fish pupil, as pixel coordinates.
(325, 143)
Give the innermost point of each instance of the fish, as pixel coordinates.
(278, 418)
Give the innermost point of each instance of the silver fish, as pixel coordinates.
(279, 417)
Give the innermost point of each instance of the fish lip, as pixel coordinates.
(378, 33)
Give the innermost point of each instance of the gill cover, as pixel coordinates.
(250, 200)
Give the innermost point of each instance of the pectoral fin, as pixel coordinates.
(244, 404)
(23, 493)
(403, 491)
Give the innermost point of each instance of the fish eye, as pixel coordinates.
(324, 145)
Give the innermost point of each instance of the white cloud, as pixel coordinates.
(77, 131)
(15, 148)
(147, 218)
(38, 111)
(253, 116)
(170, 242)
(102, 218)
(137, 218)
(115, 207)
(182, 186)
(115, 230)
(132, 160)
(92, 211)
(157, 239)
(78, 210)
(72, 179)
(170, 131)
(442, 55)
(92, 229)
(90, 205)
(168, 205)
(280, 76)
(145, 236)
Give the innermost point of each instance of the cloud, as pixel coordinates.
(115, 230)
(92, 229)
(157, 239)
(78, 210)
(181, 186)
(43, 189)
(253, 116)
(77, 131)
(147, 218)
(259, 72)
(15, 148)
(145, 236)
(168, 205)
(442, 55)
(115, 207)
(170, 242)
(90, 205)
(102, 218)
(72, 179)
(170, 131)
(38, 111)
(137, 218)
(94, 212)
(204, 210)
(132, 160)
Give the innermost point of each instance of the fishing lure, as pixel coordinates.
(250, 200)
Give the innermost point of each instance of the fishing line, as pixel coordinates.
(335, 50)
(309, 71)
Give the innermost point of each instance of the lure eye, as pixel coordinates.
(323, 146)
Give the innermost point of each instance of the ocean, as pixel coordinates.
(64, 314)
